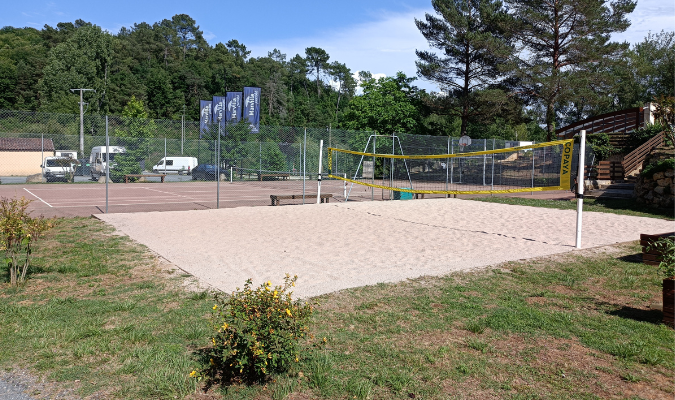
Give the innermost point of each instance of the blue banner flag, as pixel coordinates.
(233, 110)
(219, 112)
(252, 108)
(204, 117)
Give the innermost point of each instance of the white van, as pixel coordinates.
(66, 153)
(98, 159)
(180, 165)
(58, 168)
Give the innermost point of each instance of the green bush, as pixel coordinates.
(659, 166)
(666, 247)
(18, 232)
(640, 136)
(257, 333)
(600, 144)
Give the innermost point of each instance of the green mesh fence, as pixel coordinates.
(241, 169)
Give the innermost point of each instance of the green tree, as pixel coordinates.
(82, 61)
(388, 105)
(317, 60)
(469, 33)
(561, 40)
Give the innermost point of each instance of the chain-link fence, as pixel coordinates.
(165, 165)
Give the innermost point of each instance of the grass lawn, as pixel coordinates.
(101, 315)
(613, 206)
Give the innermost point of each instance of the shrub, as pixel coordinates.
(665, 246)
(601, 145)
(257, 332)
(640, 136)
(659, 166)
(18, 231)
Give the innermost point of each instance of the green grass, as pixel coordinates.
(100, 316)
(613, 206)
(99, 312)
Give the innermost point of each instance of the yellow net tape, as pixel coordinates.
(564, 155)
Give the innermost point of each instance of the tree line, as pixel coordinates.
(504, 70)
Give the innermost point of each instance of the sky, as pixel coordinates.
(379, 36)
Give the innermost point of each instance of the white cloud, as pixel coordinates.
(208, 35)
(649, 16)
(383, 47)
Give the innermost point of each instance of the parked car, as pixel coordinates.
(204, 172)
(180, 165)
(58, 168)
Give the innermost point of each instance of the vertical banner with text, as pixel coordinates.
(204, 117)
(233, 111)
(252, 108)
(219, 112)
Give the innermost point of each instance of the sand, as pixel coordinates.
(337, 246)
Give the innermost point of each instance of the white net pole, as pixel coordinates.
(318, 189)
(580, 186)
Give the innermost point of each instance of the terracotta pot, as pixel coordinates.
(668, 300)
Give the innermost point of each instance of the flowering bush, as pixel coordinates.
(18, 232)
(666, 247)
(257, 332)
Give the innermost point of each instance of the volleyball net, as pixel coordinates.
(537, 167)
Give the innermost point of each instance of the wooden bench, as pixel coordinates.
(276, 199)
(161, 176)
(273, 175)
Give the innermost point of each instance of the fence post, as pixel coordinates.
(42, 172)
(107, 163)
(304, 167)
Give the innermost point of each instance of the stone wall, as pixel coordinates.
(657, 190)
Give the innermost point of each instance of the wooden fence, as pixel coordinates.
(635, 158)
(617, 121)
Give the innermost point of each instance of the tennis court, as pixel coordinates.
(64, 200)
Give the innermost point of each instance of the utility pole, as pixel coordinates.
(82, 117)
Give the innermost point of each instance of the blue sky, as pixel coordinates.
(373, 35)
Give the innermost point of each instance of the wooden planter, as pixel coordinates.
(652, 257)
(668, 301)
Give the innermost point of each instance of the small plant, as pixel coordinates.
(257, 332)
(18, 232)
(665, 246)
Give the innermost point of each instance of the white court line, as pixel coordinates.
(151, 204)
(37, 197)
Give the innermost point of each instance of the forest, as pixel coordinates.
(493, 64)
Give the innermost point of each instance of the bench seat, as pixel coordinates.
(276, 199)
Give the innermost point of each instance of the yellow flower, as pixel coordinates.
(215, 306)
(225, 325)
(212, 362)
(275, 293)
(289, 312)
(269, 283)
(193, 374)
(296, 359)
(214, 341)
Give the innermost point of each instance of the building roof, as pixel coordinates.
(21, 144)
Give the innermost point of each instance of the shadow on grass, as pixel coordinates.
(636, 314)
(632, 258)
(631, 204)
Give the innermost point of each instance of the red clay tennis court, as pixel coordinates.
(67, 200)
(85, 199)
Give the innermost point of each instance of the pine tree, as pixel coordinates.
(469, 33)
(563, 41)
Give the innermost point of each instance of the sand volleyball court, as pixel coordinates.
(337, 246)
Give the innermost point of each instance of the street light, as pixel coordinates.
(82, 117)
